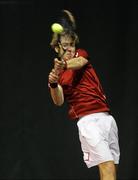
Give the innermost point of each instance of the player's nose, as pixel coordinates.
(69, 49)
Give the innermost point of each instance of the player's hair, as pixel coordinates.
(67, 20)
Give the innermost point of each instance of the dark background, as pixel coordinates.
(37, 140)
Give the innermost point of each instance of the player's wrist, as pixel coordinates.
(53, 85)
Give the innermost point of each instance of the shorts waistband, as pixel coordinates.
(95, 115)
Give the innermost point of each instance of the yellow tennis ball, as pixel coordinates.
(57, 28)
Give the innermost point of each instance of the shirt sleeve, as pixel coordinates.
(81, 52)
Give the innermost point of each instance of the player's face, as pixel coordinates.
(67, 47)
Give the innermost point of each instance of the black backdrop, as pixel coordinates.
(37, 140)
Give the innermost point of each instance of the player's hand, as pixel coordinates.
(53, 77)
(59, 65)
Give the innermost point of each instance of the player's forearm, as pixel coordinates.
(76, 63)
(57, 95)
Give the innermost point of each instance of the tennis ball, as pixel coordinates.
(57, 28)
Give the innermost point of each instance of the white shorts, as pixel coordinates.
(98, 134)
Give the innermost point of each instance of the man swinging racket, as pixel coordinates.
(74, 79)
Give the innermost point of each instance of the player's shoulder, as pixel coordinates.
(81, 52)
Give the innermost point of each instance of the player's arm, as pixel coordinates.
(75, 63)
(56, 90)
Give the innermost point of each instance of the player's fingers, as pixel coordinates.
(56, 61)
(54, 71)
(59, 65)
(52, 78)
(54, 74)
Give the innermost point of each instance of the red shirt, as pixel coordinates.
(82, 90)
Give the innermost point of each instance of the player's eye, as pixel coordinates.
(65, 45)
(73, 44)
